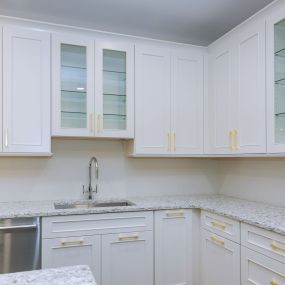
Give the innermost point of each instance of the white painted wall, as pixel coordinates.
(62, 176)
(260, 179)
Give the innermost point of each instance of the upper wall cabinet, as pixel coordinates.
(276, 82)
(114, 89)
(236, 119)
(26, 91)
(169, 102)
(92, 88)
(72, 86)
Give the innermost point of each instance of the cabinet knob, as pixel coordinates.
(274, 282)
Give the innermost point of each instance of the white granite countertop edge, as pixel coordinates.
(259, 214)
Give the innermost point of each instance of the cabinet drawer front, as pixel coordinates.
(259, 269)
(64, 226)
(222, 226)
(263, 241)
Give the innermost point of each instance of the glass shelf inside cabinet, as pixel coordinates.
(279, 54)
(114, 90)
(73, 86)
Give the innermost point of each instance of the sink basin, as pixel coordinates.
(91, 204)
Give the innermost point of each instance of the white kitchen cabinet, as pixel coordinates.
(250, 90)
(127, 258)
(69, 251)
(1, 90)
(276, 81)
(72, 85)
(169, 87)
(219, 103)
(26, 90)
(259, 269)
(152, 104)
(114, 89)
(173, 247)
(220, 260)
(236, 118)
(187, 102)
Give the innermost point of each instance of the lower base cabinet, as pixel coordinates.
(173, 247)
(220, 260)
(127, 258)
(260, 269)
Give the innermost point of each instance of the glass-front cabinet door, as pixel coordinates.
(114, 90)
(73, 86)
(276, 82)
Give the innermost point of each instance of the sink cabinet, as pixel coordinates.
(118, 247)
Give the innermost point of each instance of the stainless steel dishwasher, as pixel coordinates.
(20, 248)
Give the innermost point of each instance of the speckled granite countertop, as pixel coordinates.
(72, 275)
(259, 214)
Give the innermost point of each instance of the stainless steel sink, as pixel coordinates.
(91, 204)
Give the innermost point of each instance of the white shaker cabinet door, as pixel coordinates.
(82, 250)
(152, 104)
(219, 105)
(187, 102)
(1, 89)
(26, 90)
(260, 270)
(173, 252)
(127, 258)
(220, 260)
(250, 91)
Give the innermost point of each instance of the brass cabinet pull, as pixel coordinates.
(217, 241)
(218, 225)
(133, 237)
(6, 137)
(274, 282)
(98, 122)
(72, 242)
(277, 247)
(168, 141)
(231, 133)
(175, 213)
(91, 122)
(174, 141)
(236, 145)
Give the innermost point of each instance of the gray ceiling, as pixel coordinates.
(188, 21)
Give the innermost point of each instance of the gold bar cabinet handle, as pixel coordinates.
(132, 237)
(91, 122)
(175, 213)
(217, 241)
(277, 247)
(236, 133)
(98, 122)
(231, 139)
(174, 141)
(168, 141)
(218, 225)
(6, 137)
(72, 242)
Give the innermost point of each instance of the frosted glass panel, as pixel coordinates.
(114, 90)
(73, 86)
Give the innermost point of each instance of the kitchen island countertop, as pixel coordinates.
(71, 275)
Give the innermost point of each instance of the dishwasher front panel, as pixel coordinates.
(20, 248)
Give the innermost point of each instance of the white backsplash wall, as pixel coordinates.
(62, 176)
(261, 179)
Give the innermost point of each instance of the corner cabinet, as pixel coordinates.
(173, 247)
(276, 82)
(236, 102)
(92, 88)
(169, 101)
(26, 91)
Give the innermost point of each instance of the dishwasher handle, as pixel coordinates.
(19, 228)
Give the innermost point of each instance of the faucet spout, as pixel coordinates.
(90, 187)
